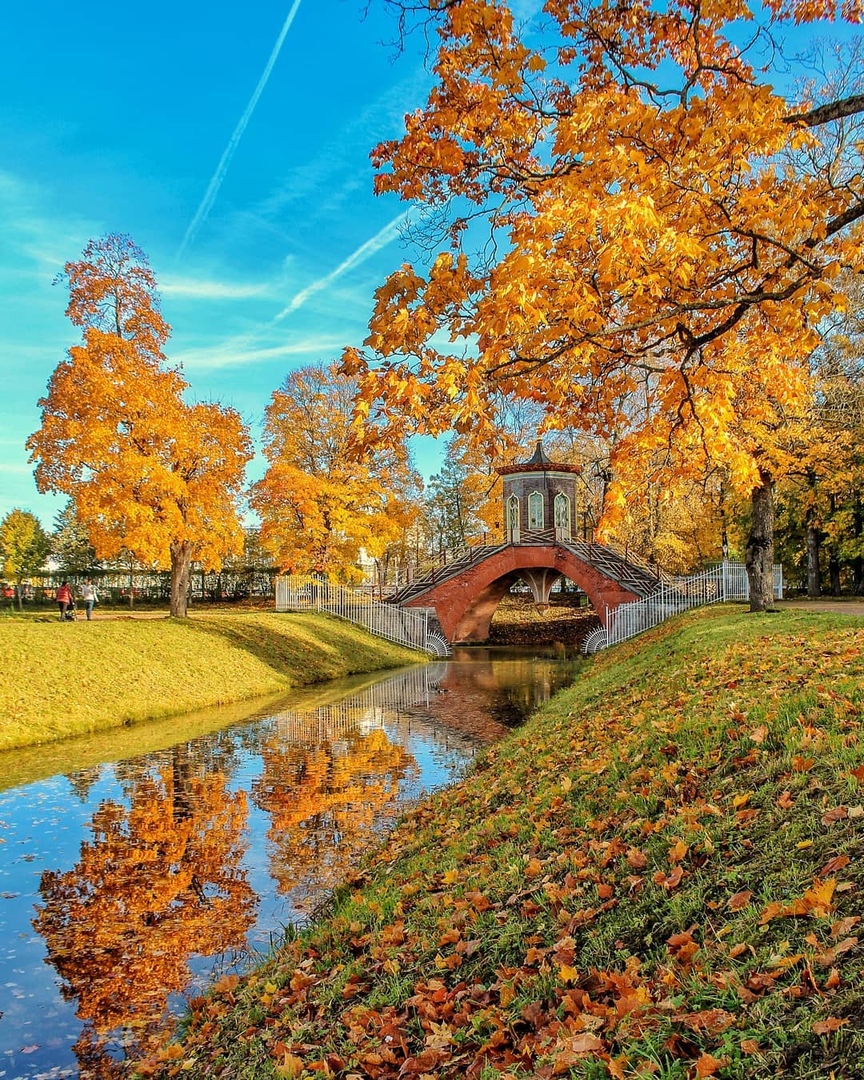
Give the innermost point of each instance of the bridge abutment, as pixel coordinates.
(466, 602)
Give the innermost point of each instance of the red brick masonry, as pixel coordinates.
(466, 603)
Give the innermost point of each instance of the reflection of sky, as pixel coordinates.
(42, 827)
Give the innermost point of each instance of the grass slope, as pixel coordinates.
(79, 678)
(659, 875)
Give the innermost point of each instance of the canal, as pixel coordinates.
(132, 879)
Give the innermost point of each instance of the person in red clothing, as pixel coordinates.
(64, 599)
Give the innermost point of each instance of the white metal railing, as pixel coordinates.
(728, 581)
(300, 592)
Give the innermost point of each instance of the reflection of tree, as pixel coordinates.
(158, 883)
(82, 780)
(325, 802)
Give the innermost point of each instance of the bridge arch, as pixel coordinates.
(466, 602)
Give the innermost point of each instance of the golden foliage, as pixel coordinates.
(147, 472)
(659, 275)
(322, 499)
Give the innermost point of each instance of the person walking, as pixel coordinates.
(64, 599)
(88, 595)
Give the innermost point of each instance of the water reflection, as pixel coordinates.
(147, 878)
(159, 881)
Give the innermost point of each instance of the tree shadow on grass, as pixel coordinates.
(305, 649)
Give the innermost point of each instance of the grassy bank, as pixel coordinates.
(659, 875)
(61, 680)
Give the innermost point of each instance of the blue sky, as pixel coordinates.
(243, 174)
(116, 118)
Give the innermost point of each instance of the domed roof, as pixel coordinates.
(539, 462)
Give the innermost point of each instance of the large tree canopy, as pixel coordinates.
(321, 503)
(147, 472)
(656, 265)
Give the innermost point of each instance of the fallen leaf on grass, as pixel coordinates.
(711, 1021)
(827, 959)
(708, 1065)
(739, 900)
(835, 864)
(290, 1067)
(825, 1027)
(672, 881)
(816, 901)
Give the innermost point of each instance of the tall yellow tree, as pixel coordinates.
(655, 258)
(24, 547)
(320, 502)
(146, 471)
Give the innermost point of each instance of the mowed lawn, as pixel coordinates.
(660, 874)
(64, 679)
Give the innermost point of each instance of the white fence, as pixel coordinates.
(297, 592)
(728, 581)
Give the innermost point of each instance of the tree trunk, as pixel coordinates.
(759, 553)
(181, 563)
(857, 561)
(18, 593)
(814, 579)
(834, 572)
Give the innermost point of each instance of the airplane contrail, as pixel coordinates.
(365, 251)
(222, 168)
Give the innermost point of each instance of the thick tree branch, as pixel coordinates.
(832, 110)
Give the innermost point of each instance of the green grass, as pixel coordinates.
(61, 680)
(660, 874)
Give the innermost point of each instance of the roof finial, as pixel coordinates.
(539, 457)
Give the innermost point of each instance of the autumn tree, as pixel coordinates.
(823, 492)
(146, 471)
(70, 543)
(655, 266)
(24, 546)
(320, 503)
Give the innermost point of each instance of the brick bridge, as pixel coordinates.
(465, 593)
(540, 509)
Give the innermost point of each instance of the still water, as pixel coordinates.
(128, 884)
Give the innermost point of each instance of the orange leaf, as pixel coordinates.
(835, 864)
(670, 882)
(825, 1027)
(739, 900)
(708, 1065)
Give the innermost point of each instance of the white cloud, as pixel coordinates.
(366, 250)
(201, 289)
(225, 161)
(242, 350)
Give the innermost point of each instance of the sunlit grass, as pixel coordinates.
(629, 885)
(66, 679)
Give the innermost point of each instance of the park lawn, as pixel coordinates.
(66, 679)
(659, 874)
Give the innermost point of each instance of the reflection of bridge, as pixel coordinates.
(315, 724)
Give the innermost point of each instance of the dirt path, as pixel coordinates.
(842, 607)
